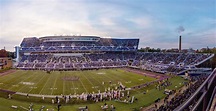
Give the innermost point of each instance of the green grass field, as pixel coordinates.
(65, 82)
(40, 82)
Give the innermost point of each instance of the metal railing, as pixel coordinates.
(206, 85)
(211, 100)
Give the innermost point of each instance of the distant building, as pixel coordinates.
(188, 50)
(3, 53)
(172, 50)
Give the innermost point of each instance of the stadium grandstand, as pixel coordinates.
(74, 52)
(92, 52)
(60, 70)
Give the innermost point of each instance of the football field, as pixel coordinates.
(70, 82)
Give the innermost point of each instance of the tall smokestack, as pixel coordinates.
(180, 43)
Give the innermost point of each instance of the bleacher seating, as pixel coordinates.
(95, 52)
(157, 62)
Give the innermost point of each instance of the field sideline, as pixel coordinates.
(70, 82)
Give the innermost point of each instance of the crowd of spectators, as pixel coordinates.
(177, 100)
(121, 54)
(156, 62)
(168, 62)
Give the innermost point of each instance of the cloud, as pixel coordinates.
(128, 19)
(202, 39)
(107, 21)
(39, 18)
(142, 22)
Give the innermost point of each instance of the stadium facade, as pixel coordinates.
(77, 44)
(90, 52)
(73, 52)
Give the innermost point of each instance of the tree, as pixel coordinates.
(11, 54)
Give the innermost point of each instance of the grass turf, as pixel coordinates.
(143, 99)
(40, 82)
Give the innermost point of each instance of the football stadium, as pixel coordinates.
(91, 73)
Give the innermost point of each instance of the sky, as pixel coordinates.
(157, 23)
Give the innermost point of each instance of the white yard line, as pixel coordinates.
(9, 78)
(114, 77)
(13, 82)
(24, 81)
(45, 85)
(29, 81)
(98, 82)
(63, 85)
(83, 86)
(12, 76)
(122, 78)
(37, 83)
(88, 79)
(73, 86)
(54, 84)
